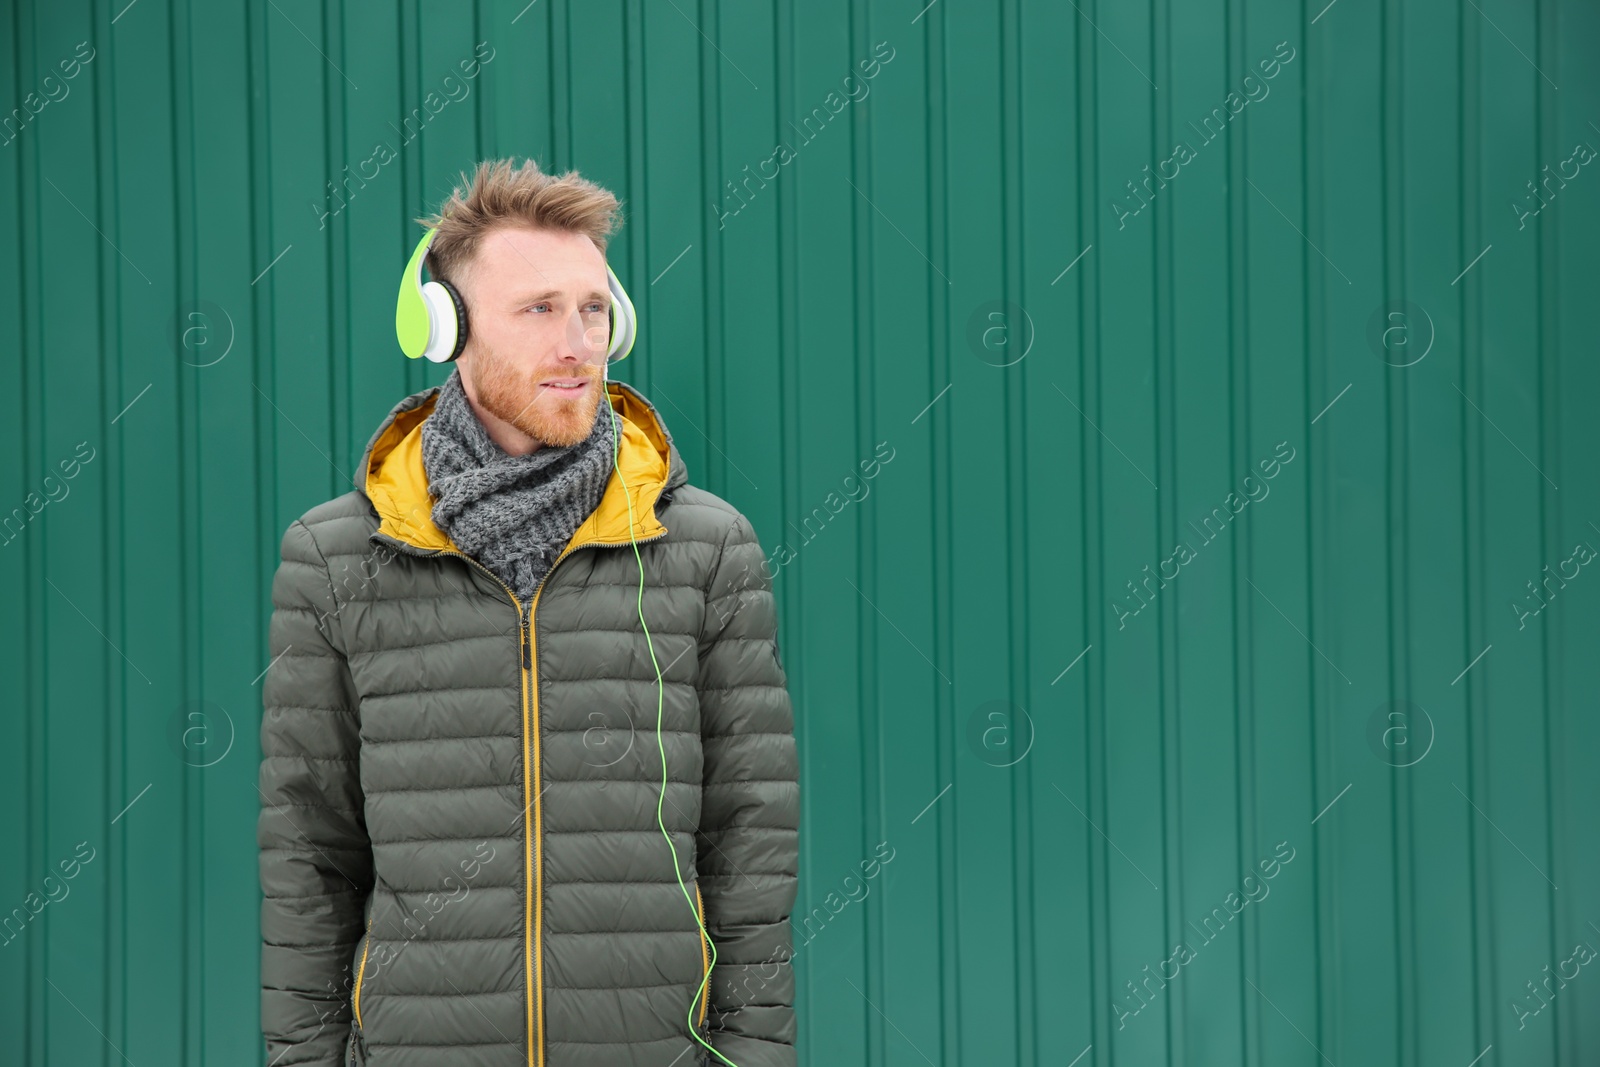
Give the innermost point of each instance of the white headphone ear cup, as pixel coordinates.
(442, 323)
(625, 326)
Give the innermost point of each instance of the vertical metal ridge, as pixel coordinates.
(1321, 750)
(1242, 613)
(942, 519)
(192, 570)
(1394, 481)
(1014, 523)
(1548, 416)
(478, 138)
(1163, 225)
(1095, 778)
(786, 66)
(869, 726)
(1467, 194)
(339, 245)
(1402, 457)
(111, 363)
(31, 387)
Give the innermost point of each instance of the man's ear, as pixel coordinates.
(467, 366)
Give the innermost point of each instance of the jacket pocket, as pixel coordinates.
(361, 975)
(705, 954)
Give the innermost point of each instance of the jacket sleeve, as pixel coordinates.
(316, 859)
(747, 852)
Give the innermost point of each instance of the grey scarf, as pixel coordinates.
(513, 514)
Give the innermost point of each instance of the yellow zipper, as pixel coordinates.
(534, 867)
(534, 934)
(537, 902)
(361, 971)
(705, 953)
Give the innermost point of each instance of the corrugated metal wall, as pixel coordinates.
(1230, 367)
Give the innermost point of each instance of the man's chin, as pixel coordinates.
(559, 439)
(559, 428)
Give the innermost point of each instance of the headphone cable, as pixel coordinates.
(703, 990)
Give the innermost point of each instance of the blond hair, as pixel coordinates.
(497, 195)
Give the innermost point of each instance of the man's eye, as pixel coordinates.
(535, 307)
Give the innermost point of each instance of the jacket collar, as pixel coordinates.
(391, 474)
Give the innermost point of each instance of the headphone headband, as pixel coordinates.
(430, 318)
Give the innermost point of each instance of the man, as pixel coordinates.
(467, 854)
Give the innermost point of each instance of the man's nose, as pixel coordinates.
(583, 341)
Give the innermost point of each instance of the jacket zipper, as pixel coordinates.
(538, 806)
(533, 933)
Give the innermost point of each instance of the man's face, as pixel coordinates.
(538, 309)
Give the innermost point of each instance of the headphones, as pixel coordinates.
(430, 319)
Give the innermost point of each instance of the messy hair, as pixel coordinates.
(499, 195)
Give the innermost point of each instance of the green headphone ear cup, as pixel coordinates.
(410, 311)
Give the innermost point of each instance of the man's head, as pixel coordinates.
(526, 250)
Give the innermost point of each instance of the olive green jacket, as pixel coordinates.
(461, 857)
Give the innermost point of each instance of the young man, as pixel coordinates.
(467, 854)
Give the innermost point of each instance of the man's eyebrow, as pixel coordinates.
(548, 294)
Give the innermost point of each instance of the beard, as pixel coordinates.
(513, 395)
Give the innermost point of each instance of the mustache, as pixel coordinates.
(591, 371)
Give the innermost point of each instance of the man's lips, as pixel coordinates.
(565, 385)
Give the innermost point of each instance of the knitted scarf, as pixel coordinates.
(513, 514)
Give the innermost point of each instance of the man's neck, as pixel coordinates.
(512, 441)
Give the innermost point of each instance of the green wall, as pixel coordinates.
(947, 265)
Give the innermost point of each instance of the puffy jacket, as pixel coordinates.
(460, 855)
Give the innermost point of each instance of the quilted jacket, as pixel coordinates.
(461, 859)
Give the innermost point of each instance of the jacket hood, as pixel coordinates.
(392, 477)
